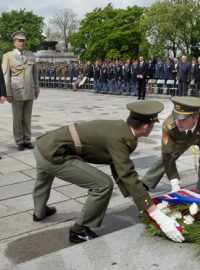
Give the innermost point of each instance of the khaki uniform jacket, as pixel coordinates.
(174, 144)
(20, 75)
(104, 142)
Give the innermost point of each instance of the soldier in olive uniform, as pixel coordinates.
(66, 152)
(180, 131)
(22, 86)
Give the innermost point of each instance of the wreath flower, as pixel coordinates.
(183, 206)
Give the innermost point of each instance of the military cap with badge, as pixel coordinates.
(20, 34)
(185, 106)
(145, 111)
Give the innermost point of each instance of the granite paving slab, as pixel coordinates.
(12, 178)
(135, 251)
(53, 109)
(8, 165)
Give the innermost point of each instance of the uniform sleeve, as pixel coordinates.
(168, 149)
(126, 175)
(35, 78)
(6, 73)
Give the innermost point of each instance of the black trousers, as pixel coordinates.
(141, 88)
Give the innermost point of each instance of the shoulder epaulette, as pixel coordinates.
(169, 124)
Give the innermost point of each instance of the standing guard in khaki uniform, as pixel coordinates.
(66, 152)
(181, 130)
(22, 86)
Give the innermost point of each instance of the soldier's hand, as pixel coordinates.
(175, 183)
(168, 225)
(9, 99)
(36, 95)
(2, 99)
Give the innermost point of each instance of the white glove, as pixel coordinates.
(175, 183)
(167, 225)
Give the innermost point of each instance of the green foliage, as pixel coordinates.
(17, 20)
(108, 33)
(173, 25)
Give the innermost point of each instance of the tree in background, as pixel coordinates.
(173, 26)
(17, 20)
(61, 26)
(108, 33)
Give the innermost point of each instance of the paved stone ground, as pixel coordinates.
(22, 240)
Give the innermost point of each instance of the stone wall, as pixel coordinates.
(54, 56)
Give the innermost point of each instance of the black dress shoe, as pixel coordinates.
(49, 211)
(29, 145)
(82, 236)
(20, 147)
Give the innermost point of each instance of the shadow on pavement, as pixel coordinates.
(45, 242)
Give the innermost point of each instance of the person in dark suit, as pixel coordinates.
(175, 68)
(2, 87)
(67, 153)
(196, 76)
(150, 70)
(141, 77)
(183, 76)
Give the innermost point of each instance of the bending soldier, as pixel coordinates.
(66, 152)
(181, 130)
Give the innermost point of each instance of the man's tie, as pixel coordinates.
(22, 56)
(189, 134)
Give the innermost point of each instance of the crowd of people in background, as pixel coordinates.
(172, 76)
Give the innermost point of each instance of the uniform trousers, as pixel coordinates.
(182, 88)
(22, 112)
(77, 172)
(156, 172)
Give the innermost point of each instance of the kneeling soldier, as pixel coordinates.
(181, 130)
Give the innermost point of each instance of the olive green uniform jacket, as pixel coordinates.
(104, 142)
(174, 144)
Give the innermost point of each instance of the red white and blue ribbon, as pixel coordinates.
(182, 196)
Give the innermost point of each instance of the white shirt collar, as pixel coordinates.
(133, 131)
(20, 52)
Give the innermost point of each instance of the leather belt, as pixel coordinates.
(76, 139)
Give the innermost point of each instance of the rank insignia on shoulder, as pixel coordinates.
(129, 144)
(165, 138)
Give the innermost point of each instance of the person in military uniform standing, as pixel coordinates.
(180, 130)
(22, 87)
(66, 152)
(127, 78)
